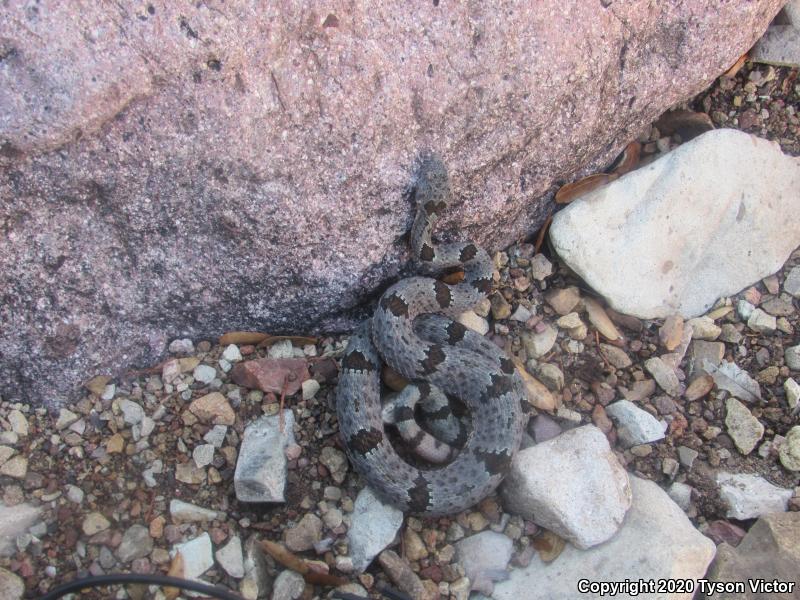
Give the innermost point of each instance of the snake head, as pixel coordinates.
(433, 188)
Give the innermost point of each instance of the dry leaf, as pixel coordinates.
(538, 395)
(549, 546)
(175, 570)
(630, 158)
(686, 123)
(728, 376)
(542, 233)
(242, 337)
(571, 191)
(284, 556)
(291, 561)
(736, 66)
(600, 319)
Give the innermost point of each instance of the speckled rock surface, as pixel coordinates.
(179, 171)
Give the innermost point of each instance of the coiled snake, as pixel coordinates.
(413, 331)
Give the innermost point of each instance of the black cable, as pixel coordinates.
(125, 578)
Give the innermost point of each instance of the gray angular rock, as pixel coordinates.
(770, 551)
(485, 557)
(197, 555)
(792, 283)
(656, 541)
(634, 425)
(261, 466)
(732, 229)
(572, 485)
(136, 543)
(664, 375)
(304, 534)
(288, 586)
(745, 430)
(11, 585)
(789, 451)
(780, 46)
(750, 496)
(163, 175)
(15, 520)
(230, 557)
(373, 526)
(792, 357)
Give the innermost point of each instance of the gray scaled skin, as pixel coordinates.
(413, 331)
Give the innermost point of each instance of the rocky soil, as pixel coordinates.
(96, 487)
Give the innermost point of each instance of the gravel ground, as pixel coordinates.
(101, 472)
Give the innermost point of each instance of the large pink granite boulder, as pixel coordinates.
(172, 169)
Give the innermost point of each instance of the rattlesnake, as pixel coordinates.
(413, 331)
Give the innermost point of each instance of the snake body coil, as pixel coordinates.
(413, 331)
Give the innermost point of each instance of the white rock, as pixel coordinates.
(792, 390)
(18, 422)
(146, 426)
(288, 586)
(539, 344)
(184, 512)
(572, 485)
(750, 496)
(310, 388)
(541, 268)
(203, 455)
(484, 556)
(204, 373)
(702, 222)
(216, 436)
(634, 425)
(15, 520)
(260, 474)
(232, 354)
(182, 346)
(282, 349)
(231, 559)
(108, 393)
(792, 357)
(197, 556)
(792, 283)
(762, 322)
(522, 314)
(74, 494)
(132, 413)
(681, 494)
(656, 541)
(744, 309)
(373, 526)
(472, 321)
